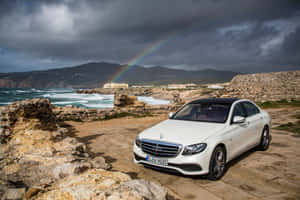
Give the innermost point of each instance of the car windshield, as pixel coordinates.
(204, 112)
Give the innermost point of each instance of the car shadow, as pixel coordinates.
(240, 158)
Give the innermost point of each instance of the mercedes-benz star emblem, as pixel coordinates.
(156, 147)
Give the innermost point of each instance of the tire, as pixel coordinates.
(217, 164)
(265, 139)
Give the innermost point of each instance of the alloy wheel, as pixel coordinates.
(265, 138)
(219, 163)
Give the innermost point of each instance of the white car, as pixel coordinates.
(204, 135)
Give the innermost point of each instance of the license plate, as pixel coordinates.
(157, 161)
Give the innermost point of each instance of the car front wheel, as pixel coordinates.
(265, 139)
(217, 163)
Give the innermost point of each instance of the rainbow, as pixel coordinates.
(153, 47)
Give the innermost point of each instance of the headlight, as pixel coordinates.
(194, 148)
(138, 141)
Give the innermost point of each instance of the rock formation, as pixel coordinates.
(25, 111)
(72, 113)
(177, 99)
(265, 86)
(127, 91)
(123, 100)
(40, 160)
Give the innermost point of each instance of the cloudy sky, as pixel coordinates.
(239, 35)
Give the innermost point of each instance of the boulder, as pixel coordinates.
(15, 194)
(100, 163)
(177, 100)
(123, 100)
(104, 185)
(146, 189)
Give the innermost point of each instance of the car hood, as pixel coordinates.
(181, 132)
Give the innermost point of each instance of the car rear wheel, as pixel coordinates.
(265, 139)
(217, 163)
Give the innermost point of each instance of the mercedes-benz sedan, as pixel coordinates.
(204, 135)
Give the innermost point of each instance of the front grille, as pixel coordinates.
(160, 149)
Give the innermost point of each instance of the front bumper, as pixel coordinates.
(197, 164)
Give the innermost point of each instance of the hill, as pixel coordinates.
(262, 87)
(95, 74)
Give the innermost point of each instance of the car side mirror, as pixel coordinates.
(238, 119)
(171, 114)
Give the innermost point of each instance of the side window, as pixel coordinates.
(238, 111)
(250, 108)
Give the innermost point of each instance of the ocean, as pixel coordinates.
(63, 97)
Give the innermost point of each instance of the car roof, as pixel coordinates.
(215, 100)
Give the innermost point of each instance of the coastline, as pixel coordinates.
(64, 97)
(45, 148)
(155, 92)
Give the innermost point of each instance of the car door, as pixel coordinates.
(237, 133)
(255, 124)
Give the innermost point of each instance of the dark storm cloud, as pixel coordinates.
(291, 47)
(238, 35)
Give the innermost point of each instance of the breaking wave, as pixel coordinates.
(63, 97)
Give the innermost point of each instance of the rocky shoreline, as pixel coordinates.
(260, 87)
(124, 105)
(155, 92)
(40, 159)
(129, 91)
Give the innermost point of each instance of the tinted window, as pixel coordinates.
(250, 108)
(239, 110)
(205, 112)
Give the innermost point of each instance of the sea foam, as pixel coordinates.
(62, 97)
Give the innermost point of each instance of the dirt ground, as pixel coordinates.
(274, 174)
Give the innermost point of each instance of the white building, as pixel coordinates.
(216, 87)
(115, 86)
(176, 86)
